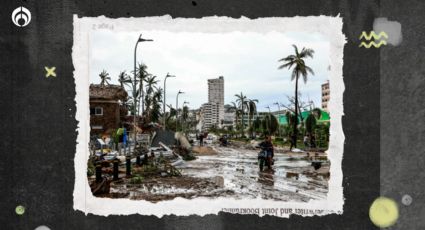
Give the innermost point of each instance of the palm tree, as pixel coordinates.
(155, 111)
(238, 113)
(141, 75)
(152, 97)
(171, 123)
(252, 109)
(300, 69)
(104, 78)
(123, 79)
(150, 84)
(270, 124)
(242, 101)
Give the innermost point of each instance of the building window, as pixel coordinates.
(96, 111)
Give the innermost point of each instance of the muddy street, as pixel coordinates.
(234, 172)
(292, 177)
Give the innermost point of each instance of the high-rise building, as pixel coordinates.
(214, 110)
(210, 112)
(325, 96)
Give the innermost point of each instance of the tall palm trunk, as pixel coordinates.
(242, 122)
(249, 122)
(243, 118)
(300, 114)
(295, 133)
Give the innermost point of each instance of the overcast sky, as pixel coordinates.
(248, 62)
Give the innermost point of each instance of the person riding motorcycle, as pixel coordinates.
(267, 146)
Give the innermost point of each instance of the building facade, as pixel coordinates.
(106, 108)
(325, 96)
(213, 111)
(229, 120)
(210, 113)
(259, 115)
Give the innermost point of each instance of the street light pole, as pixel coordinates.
(177, 107)
(140, 39)
(278, 118)
(268, 107)
(184, 103)
(278, 107)
(165, 80)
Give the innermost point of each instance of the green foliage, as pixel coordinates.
(310, 123)
(213, 129)
(114, 136)
(90, 168)
(256, 124)
(290, 118)
(136, 179)
(269, 124)
(317, 113)
(322, 135)
(189, 157)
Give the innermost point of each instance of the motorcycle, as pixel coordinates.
(223, 141)
(263, 160)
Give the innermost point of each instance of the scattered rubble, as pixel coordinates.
(100, 187)
(171, 169)
(203, 150)
(164, 136)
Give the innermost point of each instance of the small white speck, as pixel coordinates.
(406, 200)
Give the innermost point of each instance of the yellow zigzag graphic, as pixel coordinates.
(372, 43)
(372, 34)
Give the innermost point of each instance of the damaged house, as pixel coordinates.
(107, 107)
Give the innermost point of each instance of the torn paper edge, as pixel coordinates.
(329, 27)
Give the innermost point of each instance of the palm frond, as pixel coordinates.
(309, 70)
(306, 52)
(288, 64)
(288, 58)
(296, 50)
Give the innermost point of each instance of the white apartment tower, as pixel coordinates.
(214, 109)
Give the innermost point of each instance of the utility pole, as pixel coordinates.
(165, 80)
(140, 39)
(177, 108)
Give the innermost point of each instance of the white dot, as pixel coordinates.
(406, 200)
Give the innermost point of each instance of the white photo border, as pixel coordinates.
(330, 27)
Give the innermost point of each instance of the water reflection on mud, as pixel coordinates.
(292, 178)
(235, 173)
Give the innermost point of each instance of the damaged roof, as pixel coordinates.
(110, 92)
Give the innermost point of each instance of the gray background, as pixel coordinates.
(403, 112)
(38, 126)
